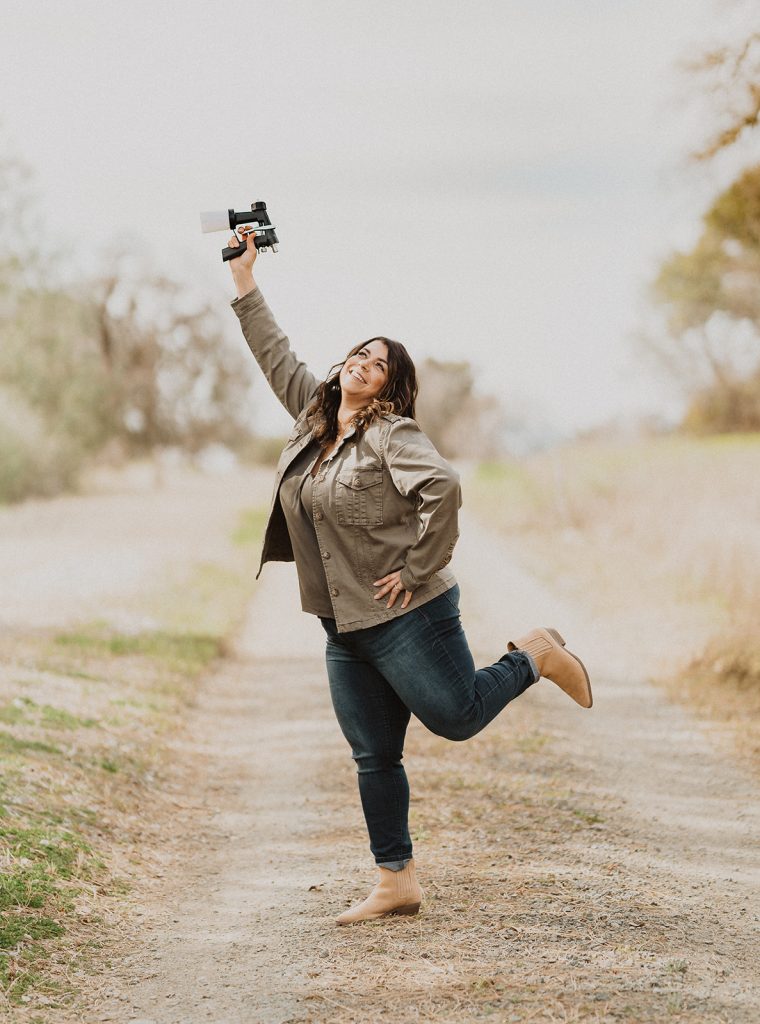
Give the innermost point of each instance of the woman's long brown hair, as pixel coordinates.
(398, 394)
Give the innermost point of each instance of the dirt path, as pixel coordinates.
(75, 557)
(614, 878)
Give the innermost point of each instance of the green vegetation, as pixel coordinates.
(45, 854)
(24, 709)
(188, 652)
(12, 745)
(250, 529)
(44, 870)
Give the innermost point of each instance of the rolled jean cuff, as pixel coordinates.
(394, 865)
(533, 665)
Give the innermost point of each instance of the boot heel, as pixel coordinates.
(556, 636)
(408, 911)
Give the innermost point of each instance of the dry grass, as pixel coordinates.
(660, 536)
(672, 511)
(84, 717)
(723, 682)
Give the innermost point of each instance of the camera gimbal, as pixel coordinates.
(225, 220)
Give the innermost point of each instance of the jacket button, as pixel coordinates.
(334, 591)
(325, 554)
(318, 516)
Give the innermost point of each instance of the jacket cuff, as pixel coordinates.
(408, 581)
(251, 300)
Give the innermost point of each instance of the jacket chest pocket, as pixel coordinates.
(359, 497)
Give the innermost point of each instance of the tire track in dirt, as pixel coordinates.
(649, 910)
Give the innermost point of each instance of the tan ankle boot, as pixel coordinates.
(547, 648)
(397, 892)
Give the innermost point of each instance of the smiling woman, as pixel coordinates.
(367, 508)
(368, 368)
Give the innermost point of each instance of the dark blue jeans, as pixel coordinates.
(419, 663)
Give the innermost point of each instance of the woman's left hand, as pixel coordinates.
(392, 584)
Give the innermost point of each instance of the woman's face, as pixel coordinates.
(365, 374)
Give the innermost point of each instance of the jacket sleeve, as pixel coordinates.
(290, 379)
(419, 470)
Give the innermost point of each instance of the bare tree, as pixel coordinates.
(731, 75)
(175, 377)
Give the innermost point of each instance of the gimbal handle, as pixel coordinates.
(232, 252)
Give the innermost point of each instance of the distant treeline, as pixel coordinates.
(709, 296)
(111, 365)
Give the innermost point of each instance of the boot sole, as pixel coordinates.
(408, 911)
(559, 640)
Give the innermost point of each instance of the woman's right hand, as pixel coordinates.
(245, 262)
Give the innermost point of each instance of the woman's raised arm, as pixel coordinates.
(290, 378)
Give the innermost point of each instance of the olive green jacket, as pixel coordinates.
(384, 501)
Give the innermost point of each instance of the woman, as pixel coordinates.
(367, 508)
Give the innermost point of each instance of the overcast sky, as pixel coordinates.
(495, 181)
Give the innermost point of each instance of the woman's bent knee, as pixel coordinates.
(456, 731)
